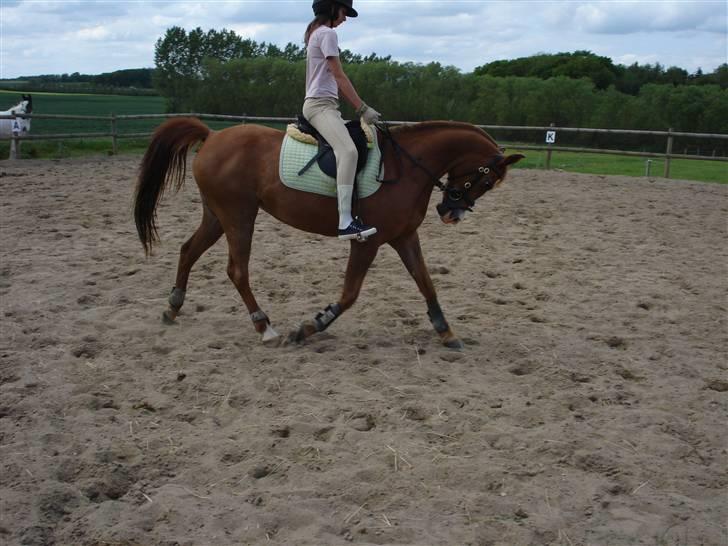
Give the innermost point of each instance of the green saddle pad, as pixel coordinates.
(295, 155)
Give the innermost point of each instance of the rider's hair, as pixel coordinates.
(321, 19)
(318, 21)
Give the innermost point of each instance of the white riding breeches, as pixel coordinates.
(325, 116)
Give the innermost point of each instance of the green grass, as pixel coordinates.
(104, 105)
(682, 169)
(83, 105)
(87, 105)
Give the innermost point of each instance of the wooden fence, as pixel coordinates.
(114, 134)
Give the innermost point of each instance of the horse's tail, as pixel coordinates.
(164, 163)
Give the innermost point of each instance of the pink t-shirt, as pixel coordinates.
(320, 82)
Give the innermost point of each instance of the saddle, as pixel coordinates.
(325, 155)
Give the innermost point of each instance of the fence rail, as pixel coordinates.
(114, 134)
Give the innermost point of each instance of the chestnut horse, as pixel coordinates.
(236, 170)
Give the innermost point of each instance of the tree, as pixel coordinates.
(180, 57)
(674, 76)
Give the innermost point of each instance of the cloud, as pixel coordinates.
(634, 17)
(463, 33)
(79, 10)
(250, 30)
(92, 33)
(445, 25)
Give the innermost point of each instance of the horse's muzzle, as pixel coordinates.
(452, 216)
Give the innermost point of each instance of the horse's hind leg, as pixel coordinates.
(408, 248)
(206, 235)
(239, 237)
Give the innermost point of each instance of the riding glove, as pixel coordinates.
(368, 114)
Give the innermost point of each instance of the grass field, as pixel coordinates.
(86, 105)
(682, 169)
(105, 105)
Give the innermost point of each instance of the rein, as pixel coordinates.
(398, 149)
(454, 195)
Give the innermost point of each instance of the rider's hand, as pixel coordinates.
(368, 114)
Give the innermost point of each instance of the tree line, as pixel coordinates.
(220, 72)
(602, 71)
(184, 62)
(135, 81)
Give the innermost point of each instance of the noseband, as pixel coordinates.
(459, 199)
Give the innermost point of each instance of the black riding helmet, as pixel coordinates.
(323, 7)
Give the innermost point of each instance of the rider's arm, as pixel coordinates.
(346, 88)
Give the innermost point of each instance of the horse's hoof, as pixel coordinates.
(306, 329)
(270, 337)
(454, 343)
(295, 337)
(168, 317)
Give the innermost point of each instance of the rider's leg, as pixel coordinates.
(325, 116)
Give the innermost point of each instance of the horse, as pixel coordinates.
(11, 127)
(237, 174)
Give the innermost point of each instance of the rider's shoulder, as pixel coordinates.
(323, 30)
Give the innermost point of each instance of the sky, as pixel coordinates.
(92, 37)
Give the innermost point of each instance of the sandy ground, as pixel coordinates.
(589, 406)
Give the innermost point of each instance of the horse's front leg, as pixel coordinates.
(408, 248)
(360, 258)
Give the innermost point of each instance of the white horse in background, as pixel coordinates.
(16, 126)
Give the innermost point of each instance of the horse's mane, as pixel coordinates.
(427, 125)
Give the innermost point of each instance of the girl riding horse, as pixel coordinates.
(325, 81)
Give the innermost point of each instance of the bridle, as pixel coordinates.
(453, 198)
(486, 176)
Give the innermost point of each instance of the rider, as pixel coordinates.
(325, 80)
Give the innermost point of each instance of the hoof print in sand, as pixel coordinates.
(324, 434)
(362, 422)
(261, 471)
(87, 350)
(281, 432)
(415, 413)
(524, 368)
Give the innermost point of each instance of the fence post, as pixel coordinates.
(13, 147)
(548, 155)
(668, 152)
(113, 134)
(14, 144)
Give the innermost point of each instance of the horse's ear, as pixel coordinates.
(511, 159)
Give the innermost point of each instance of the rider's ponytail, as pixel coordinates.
(318, 21)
